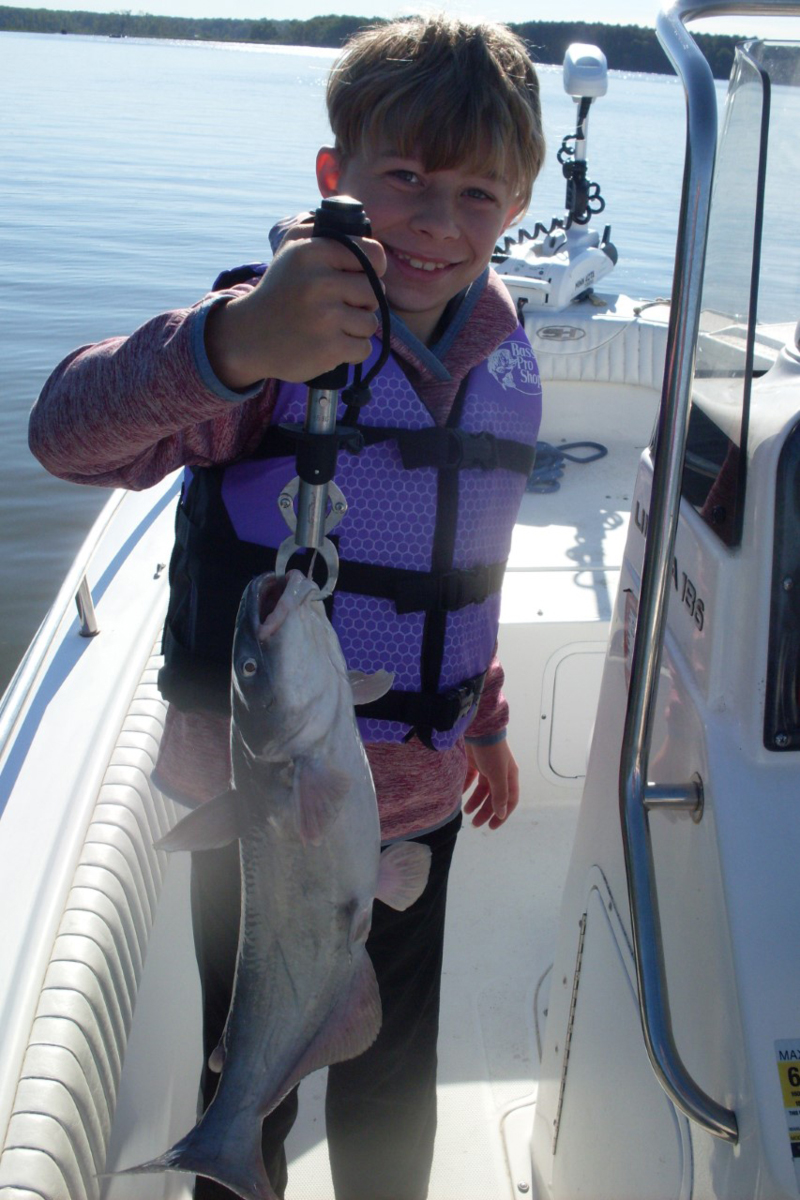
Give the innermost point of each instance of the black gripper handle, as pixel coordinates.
(338, 216)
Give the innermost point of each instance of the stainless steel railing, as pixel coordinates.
(637, 795)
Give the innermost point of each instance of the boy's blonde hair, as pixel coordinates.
(447, 91)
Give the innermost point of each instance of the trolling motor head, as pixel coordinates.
(555, 266)
(585, 72)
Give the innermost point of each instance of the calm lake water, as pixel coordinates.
(133, 171)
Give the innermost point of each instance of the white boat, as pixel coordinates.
(620, 1007)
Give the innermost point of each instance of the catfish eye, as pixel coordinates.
(249, 667)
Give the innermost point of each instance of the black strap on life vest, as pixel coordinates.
(419, 591)
(316, 454)
(442, 553)
(441, 447)
(426, 711)
(456, 449)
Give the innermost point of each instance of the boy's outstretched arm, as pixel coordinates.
(126, 411)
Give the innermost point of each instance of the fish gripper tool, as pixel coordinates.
(312, 503)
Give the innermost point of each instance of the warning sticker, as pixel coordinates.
(788, 1056)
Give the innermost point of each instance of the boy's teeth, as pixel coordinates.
(419, 264)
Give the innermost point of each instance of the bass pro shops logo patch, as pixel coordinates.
(513, 366)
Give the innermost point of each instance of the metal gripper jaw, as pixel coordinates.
(324, 547)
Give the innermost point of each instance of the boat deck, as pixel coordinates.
(501, 929)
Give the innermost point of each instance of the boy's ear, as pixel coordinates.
(329, 168)
(514, 214)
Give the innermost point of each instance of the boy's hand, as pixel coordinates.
(496, 792)
(313, 309)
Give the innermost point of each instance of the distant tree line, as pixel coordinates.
(627, 47)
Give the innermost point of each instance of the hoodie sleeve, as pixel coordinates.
(126, 411)
(491, 719)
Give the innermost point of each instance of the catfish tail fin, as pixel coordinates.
(232, 1163)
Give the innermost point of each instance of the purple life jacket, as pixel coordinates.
(422, 547)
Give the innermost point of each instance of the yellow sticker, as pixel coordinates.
(790, 1083)
(788, 1058)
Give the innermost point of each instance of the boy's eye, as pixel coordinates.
(476, 193)
(404, 174)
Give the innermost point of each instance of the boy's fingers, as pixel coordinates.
(355, 290)
(477, 797)
(312, 283)
(356, 350)
(373, 249)
(374, 252)
(337, 255)
(496, 793)
(338, 317)
(359, 323)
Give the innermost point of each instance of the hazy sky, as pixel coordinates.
(619, 12)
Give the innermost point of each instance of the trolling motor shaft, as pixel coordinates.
(314, 487)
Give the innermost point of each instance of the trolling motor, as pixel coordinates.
(320, 502)
(552, 267)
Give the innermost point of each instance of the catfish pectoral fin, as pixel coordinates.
(234, 1166)
(403, 874)
(318, 793)
(209, 827)
(366, 688)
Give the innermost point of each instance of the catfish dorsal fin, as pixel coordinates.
(208, 827)
(366, 688)
(403, 874)
(319, 791)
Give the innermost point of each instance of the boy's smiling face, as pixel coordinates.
(438, 228)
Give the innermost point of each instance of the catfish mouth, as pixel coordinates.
(276, 598)
(268, 595)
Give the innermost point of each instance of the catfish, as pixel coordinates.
(303, 806)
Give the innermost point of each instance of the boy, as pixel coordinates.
(438, 134)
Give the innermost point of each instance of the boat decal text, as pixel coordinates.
(684, 586)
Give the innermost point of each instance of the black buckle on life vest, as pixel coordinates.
(426, 711)
(468, 695)
(458, 702)
(476, 450)
(459, 588)
(448, 449)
